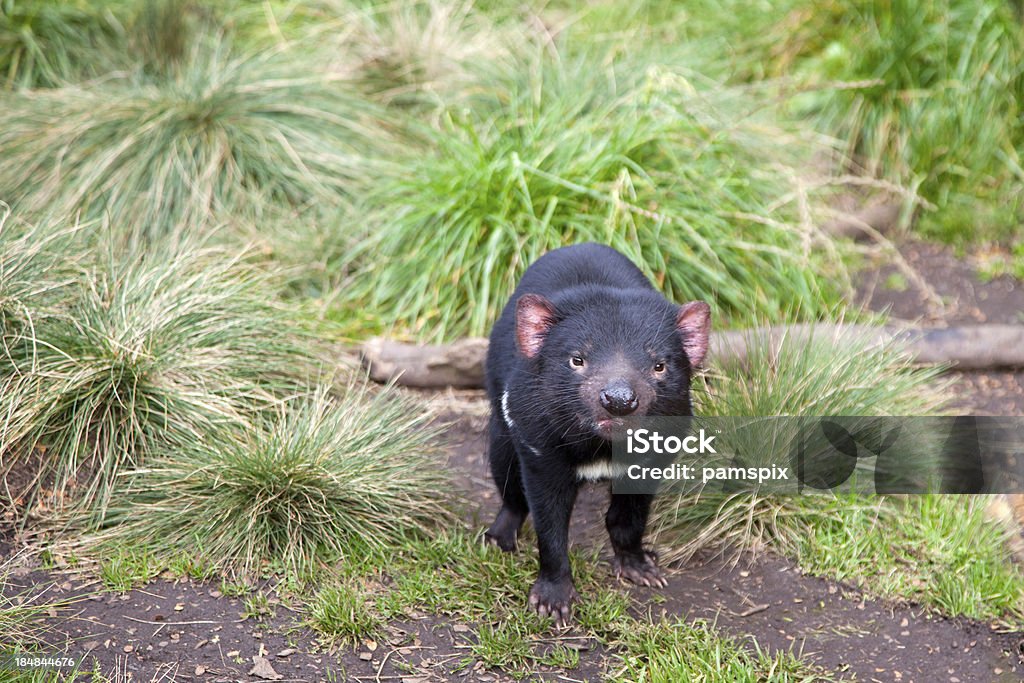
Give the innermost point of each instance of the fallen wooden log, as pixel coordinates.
(867, 224)
(461, 363)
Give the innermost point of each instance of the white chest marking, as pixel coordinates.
(504, 411)
(599, 470)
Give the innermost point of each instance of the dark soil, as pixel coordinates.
(187, 631)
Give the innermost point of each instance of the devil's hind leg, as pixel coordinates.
(505, 471)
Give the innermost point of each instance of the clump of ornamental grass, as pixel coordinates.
(33, 267)
(422, 51)
(655, 164)
(169, 154)
(144, 351)
(326, 477)
(835, 372)
(44, 44)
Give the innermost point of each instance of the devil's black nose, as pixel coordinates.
(618, 398)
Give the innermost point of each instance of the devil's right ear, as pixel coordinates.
(535, 316)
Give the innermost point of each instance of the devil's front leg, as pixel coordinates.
(551, 488)
(626, 521)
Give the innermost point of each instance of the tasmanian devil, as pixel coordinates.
(584, 342)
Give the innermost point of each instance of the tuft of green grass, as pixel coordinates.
(325, 478)
(126, 568)
(167, 155)
(47, 44)
(342, 615)
(144, 351)
(672, 170)
(834, 371)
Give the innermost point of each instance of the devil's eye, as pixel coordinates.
(577, 361)
(659, 367)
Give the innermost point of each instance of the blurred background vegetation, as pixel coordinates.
(398, 164)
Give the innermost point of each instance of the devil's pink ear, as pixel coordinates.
(535, 316)
(694, 324)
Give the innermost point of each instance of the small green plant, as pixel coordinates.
(123, 570)
(342, 615)
(234, 588)
(187, 565)
(897, 282)
(1003, 263)
(257, 606)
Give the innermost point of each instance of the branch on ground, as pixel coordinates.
(461, 363)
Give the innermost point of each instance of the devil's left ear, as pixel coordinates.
(694, 324)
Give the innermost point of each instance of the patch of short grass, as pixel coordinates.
(325, 478)
(456, 576)
(667, 651)
(689, 179)
(937, 550)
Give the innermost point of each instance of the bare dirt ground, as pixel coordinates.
(187, 631)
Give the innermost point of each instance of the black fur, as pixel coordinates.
(584, 341)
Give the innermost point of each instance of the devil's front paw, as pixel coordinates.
(641, 569)
(554, 599)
